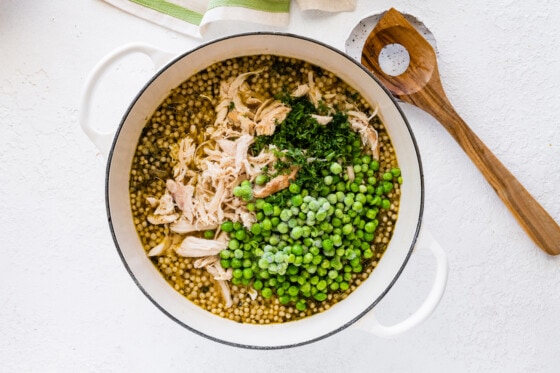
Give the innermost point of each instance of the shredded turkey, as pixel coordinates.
(350, 172)
(322, 119)
(198, 247)
(205, 261)
(182, 226)
(360, 123)
(252, 293)
(185, 156)
(152, 201)
(162, 219)
(278, 183)
(162, 247)
(218, 272)
(309, 89)
(226, 293)
(165, 205)
(269, 116)
(314, 93)
(156, 250)
(222, 276)
(301, 90)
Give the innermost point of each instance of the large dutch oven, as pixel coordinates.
(119, 148)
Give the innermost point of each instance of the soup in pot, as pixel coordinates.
(265, 189)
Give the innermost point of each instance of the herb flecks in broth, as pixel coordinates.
(265, 189)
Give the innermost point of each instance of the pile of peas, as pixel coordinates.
(311, 241)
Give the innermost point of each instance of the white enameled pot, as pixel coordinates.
(119, 149)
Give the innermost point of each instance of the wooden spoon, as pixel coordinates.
(420, 86)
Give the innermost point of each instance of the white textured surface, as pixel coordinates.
(67, 304)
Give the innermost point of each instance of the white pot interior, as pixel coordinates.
(182, 310)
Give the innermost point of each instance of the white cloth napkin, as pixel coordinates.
(190, 17)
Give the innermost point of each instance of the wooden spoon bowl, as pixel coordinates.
(420, 85)
(421, 66)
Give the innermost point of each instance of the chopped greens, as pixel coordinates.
(301, 141)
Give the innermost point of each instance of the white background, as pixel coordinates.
(68, 305)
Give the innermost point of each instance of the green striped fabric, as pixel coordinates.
(272, 6)
(184, 14)
(191, 17)
(172, 10)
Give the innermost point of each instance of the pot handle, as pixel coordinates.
(103, 140)
(370, 323)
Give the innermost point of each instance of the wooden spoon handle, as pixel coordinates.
(538, 224)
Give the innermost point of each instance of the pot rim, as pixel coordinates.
(154, 301)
